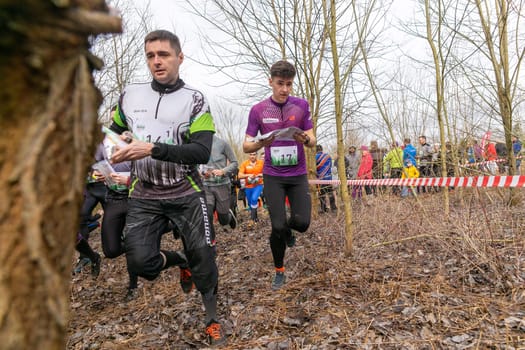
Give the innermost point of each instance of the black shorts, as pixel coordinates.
(147, 221)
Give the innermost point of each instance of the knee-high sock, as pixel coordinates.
(133, 280)
(209, 300)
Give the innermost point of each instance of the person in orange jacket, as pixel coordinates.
(251, 171)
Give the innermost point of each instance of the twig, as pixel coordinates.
(442, 237)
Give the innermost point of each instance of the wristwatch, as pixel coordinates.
(155, 151)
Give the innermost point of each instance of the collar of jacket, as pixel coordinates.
(167, 88)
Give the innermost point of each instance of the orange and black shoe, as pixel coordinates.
(279, 279)
(186, 283)
(215, 334)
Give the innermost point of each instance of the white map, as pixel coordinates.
(282, 134)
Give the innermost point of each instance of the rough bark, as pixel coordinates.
(48, 129)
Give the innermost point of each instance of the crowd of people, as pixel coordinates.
(489, 158)
(408, 161)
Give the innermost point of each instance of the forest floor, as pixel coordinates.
(415, 280)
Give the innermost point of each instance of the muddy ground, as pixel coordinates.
(415, 280)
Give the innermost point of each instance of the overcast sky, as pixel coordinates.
(170, 14)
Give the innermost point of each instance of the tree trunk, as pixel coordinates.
(48, 129)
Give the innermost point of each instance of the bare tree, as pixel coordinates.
(329, 10)
(435, 41)
(249, 36)
(230, 123)
(344, 55)
(506, 72)
(493, 48)
(47, 135)
(123, 54)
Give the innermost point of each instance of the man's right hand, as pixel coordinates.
(135, 150)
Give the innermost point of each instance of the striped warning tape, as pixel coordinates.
(485, 162)
(471, 181)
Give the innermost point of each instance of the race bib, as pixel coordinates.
(155, 132)
(284, 155)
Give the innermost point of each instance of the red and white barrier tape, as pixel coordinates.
(500, 160)
(471, 181)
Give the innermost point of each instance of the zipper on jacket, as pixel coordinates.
(158, 104)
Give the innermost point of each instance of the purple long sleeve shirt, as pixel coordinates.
(267, 116)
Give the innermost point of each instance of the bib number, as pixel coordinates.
(155, 132)
(284, 155)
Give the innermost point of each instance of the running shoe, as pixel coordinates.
(81, 262)
(186, 282)
(131, 294)
(233, 220)
(214, 333)
(250, 225)
(278, 280)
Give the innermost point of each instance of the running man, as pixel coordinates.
(173, 132)
(284, 171)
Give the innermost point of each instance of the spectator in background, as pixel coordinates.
(501, 151)
(377, 162)
(449, 159)
(516, 149)
(436, 160)
(490, 157)
(409, 152)
(409, 172)
(352, 161)
(323, 163)
(474, 157)
(393, 164)
(424, 158)
(363, 173)
(471, 157)
(478, 151)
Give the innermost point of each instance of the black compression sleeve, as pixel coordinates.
(197, 151)
(117, 128)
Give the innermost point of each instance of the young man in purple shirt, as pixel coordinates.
(284, 171)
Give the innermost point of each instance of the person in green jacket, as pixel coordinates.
(393, 164)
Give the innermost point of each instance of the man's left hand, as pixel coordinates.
(301, 137)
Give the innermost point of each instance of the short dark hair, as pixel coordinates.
(406, 140)
(282, 69)
(318, 148)
(164, 35)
